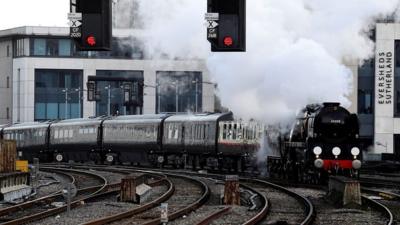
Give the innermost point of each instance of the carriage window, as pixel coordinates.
(176, 132)
(71, 133)
(224, 132)
(234, 132)
(169, 132)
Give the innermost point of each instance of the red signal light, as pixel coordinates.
(228, 41)
(91, 40)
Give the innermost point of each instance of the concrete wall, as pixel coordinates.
(385, 123)
(6, 52)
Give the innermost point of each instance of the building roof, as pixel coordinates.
(35, 31)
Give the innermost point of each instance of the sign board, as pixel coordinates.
(211, 16)
(212, 33)
(74, 23)
(211, 24)
(164, 212)
(75, 32)
(74, 16)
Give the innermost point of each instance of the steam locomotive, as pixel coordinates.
(210, 139)
(323, 140)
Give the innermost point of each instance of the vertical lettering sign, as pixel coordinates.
(384, 82)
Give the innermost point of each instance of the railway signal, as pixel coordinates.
(90, 24)
(226, 25)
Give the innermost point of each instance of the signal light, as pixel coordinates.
(95, 27)
(228, 41)
(226, 29)
(91, 40)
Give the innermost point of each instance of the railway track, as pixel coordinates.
(184, 195)
(205, 212)
(41, 207)
(281, 210)
(286, 207)
(388, 201)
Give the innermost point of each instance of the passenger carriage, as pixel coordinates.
(76, 139)
(31, 138)
(133, 138)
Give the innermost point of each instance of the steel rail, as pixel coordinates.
(130, 213)
(199, 202)
(309, 212)
(97, 193)
(214, 216)
(378, 206)
(263, 212)
(47, 198)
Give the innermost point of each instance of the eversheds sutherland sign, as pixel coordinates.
(385, 77)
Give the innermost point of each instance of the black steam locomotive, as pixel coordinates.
(323, 140)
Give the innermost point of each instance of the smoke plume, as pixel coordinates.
(295, 50)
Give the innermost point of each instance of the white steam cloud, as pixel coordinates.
(295, 49)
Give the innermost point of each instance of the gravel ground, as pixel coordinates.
(185, 194)
(50, 178)
(237, 214)
(110, 176)
(328, 214)
(94, 210)
(282, 206)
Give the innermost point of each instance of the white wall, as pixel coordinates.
(385, 125)
(5, 71)
(23, 97)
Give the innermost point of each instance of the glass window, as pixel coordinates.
(52, 47)
(366, 81)
(51, 89)
(39, 47)
(51, 111)
(64, 47)
(179, 91)
(111, 85)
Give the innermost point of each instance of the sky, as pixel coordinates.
(15, 13)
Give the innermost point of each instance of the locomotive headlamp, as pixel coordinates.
(336, 151)
(355, 151)
(317, 150)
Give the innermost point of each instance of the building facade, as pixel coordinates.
(43, 77)
(377, 90)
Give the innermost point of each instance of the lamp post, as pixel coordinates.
(159, 97)
(79, 101)
(108, 87)
(66, 102)
(197, 92)
(176, 96)
(383, 145)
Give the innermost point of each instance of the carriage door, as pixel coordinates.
(397, 146)
(183, 138)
